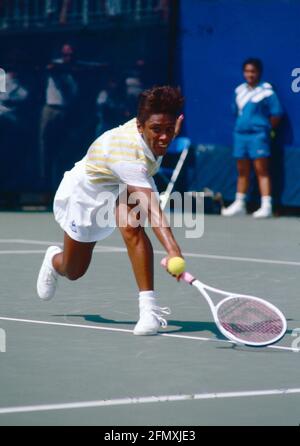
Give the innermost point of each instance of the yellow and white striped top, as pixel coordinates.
(121, 156)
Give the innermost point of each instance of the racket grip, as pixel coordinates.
(188, 278)
(185, 277)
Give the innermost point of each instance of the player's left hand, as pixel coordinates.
(178, 125)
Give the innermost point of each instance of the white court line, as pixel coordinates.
(123, 330)
(61, 324)
(238, 259)
(29, 242)
(146, 400)
(97, 250)
(22, 252)
(105, 248)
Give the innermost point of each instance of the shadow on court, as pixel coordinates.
(183, 326)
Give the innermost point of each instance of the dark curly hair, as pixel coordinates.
(158, 100)
(257, 63)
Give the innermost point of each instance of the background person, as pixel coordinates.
(258, 112)
(62, 92)
(15, 128)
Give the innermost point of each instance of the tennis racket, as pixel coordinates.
(164, 196)
(246, 320)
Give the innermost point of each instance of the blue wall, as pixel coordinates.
(215, 37)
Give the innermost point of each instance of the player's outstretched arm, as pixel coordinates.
(147, 201)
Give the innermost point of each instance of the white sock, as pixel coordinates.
(240, 197)
(266, 200)
(147, 298)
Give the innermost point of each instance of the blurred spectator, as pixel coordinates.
(144, 70)
(110, 106)
(14, 128)
(62, 92)
(258, 113)
(133, 89)
(64, 11)
(58, 8)
(117, 102)
(114, 8)
(133, 85)
(13, 103)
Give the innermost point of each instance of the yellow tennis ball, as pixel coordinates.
(176, 266)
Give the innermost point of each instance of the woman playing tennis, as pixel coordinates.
(119, 163)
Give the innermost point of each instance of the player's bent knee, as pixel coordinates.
(130, 234)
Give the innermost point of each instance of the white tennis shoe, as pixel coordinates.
(151, 319)
(236, 208)
(47, 280)
(263, 212)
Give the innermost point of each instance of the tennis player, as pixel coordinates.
(121, 162)
(258, 113)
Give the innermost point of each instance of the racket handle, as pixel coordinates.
(185, 277)
(188, 278)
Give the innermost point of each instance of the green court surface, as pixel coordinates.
(74, 360)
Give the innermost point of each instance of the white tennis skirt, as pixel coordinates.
(85, 211)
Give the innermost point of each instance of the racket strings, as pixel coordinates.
(249, 320)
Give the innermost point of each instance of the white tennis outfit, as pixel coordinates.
(85, 199)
